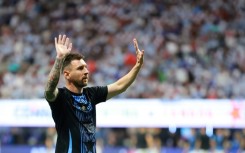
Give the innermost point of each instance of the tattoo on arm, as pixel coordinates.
(54, 76)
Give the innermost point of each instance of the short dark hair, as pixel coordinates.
(70, 57)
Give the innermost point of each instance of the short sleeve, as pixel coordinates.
(97, 94)
(53, 103)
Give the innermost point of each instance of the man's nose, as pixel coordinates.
(86, 70)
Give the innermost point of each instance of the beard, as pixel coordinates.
(80, 83)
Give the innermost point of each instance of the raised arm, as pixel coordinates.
(123, 83)
(62, 46)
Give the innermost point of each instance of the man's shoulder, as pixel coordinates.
(95, 87)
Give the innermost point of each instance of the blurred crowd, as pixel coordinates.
(193, 49)
(140, 140)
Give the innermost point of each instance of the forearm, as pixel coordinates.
(53, 78)
(124, 82)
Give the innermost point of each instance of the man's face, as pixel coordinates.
(77, 73)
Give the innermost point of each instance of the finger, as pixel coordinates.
(63, 39)
(142, 52)
(67, 42)
(59, 40)
(142, 55)
(55, 41)
(136, 45)
(70, 47)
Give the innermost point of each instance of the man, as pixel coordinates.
(73, 107)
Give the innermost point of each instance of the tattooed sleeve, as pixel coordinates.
(53, 79)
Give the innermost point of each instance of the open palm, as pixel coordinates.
(62, 45)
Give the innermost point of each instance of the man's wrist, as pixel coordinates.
(59, 57)
(138, 65)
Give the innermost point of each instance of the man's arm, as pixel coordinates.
(51, 90)
(123, 83)
(63, 46)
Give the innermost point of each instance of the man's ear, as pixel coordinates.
(66, 74)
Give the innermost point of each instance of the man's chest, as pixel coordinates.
(83, 108)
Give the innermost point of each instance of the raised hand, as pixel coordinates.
(139, 53)
(62, 45)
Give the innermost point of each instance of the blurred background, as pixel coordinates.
(193, 50)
